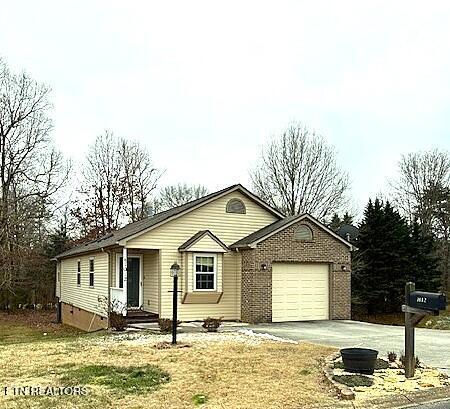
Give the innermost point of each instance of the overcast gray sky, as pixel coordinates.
(204, 84)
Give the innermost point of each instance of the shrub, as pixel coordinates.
(117, 321)
(403, 360)
(353, 380)
(392, 356)
(212, 324)
(165, 325)
(115, 310)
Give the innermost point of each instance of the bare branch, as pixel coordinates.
(298, 173)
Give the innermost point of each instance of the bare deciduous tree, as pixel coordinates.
(422, 192)
(298, 173)
(177, 195)
(419, 174)
(31, 172)
(117, 184)
(140, 179)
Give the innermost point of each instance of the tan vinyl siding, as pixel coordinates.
(83, 296)
(151, 290)
(228, 227)
(207, 244)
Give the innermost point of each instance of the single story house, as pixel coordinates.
(240, 259)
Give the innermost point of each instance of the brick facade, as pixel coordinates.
(256, 290)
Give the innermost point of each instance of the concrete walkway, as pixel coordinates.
(432, 346)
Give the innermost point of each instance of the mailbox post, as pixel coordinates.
(417, 305)
(410, 355)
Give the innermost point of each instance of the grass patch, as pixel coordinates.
(32, 326)
(353, 380)
(125, 379)
(199, 399)
(229, 373)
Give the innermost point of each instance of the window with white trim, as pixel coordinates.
(78, 273)
(205, 271)
(91, 272)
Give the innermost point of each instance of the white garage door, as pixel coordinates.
(300, 292)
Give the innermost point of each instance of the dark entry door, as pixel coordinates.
(133, 282)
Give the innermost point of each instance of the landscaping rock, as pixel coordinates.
(387, 381)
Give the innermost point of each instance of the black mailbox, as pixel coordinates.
(428, 301)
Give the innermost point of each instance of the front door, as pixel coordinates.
(133, 280)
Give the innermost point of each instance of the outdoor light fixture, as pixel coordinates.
(174, 270)
(344, 268)
(263, 266)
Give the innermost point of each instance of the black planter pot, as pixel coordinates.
(360, 360)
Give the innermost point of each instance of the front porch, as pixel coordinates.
(134, 283)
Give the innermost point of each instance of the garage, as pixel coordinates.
(300, 292)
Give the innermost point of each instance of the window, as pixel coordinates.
(79, 273)
(236, 206)
(91, 272)
(120, 278)
(205, 272)
(303, 233)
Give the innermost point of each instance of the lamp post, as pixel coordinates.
(174, 269)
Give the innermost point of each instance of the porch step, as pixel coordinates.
(139, 316)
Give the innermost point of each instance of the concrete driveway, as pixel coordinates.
(432, 346)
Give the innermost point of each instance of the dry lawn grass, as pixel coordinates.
(231, 373)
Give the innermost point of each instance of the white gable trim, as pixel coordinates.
(221, 248)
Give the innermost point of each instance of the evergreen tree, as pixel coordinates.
(390, 253)
(58, 241)
(347, 219)
(335, 222)
(424, 263)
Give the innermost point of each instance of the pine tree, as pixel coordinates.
(424, 264)
(335, 222)
(347, 219)
(381, 263)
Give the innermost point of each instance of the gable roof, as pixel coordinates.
(348, 231)
(198, 236)
(134, 229)
(254, 238)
